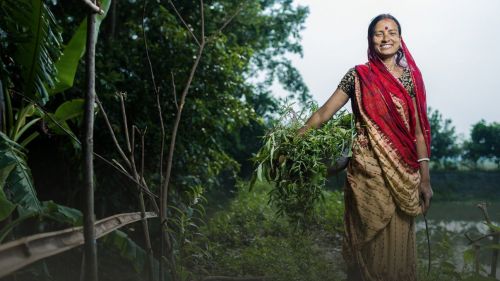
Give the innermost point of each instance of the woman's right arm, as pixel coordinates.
(338, 99)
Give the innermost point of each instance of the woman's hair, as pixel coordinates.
(371, 32)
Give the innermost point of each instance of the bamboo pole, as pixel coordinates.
(90, 253)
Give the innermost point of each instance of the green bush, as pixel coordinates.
(249, 239)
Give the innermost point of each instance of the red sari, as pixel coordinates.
(381, 194)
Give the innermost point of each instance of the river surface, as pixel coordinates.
(454, 220)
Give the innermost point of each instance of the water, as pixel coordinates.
(457, 219)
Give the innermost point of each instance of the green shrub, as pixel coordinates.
(248, 239)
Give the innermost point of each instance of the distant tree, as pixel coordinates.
(484, 142)
(444, 147)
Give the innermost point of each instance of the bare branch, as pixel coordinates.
(93, 7)
(132, 151)
(227, 22)
(144, 38)
(484, 209)
(143, 133)
(184, 22)
(125, 122)
(473, 241)
(202, 12)
(174, 90)
(143, 187)
(113, 136)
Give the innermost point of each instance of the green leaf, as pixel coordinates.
(62, 213)
(493, 227)
(127, 248)
(75, 49)
(70, 109)
(8, 228)
(40, 47)
(7, 164)
(259, 172)
(6, 207)
(469, 256)
(19, 183)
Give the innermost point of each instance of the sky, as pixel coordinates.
(455, 43)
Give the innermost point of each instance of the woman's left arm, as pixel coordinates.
(425, 179)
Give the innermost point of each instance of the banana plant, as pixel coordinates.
(47, 67)
(42, 66)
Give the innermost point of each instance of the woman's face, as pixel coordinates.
(386, 39)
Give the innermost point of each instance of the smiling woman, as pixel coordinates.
(388, 180)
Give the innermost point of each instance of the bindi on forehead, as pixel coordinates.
(386, 25)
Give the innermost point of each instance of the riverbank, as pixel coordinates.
(245, 238)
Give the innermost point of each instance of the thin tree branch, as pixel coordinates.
(162, 128)
(472, 241)
(147, 238)
(132, 145)
(93, 7)
(184, 22)
(174, 90)
(482, 207)
(165, 186)
(144, 38)
(227, 22)
(113, 136)
(175, 128)
(125, 122)
(202, 12)
(141, 185)
(143, 133)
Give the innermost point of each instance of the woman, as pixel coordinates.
(388, 181)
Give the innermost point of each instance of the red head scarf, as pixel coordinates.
(377, 86)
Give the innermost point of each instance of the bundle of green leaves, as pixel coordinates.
(298, 164)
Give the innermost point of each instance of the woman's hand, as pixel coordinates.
(426, 193)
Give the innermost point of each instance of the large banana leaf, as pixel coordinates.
(57, 121)
(6, 207)
(18, 180)
(37, 39)
(7, 164)
(74, 51)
